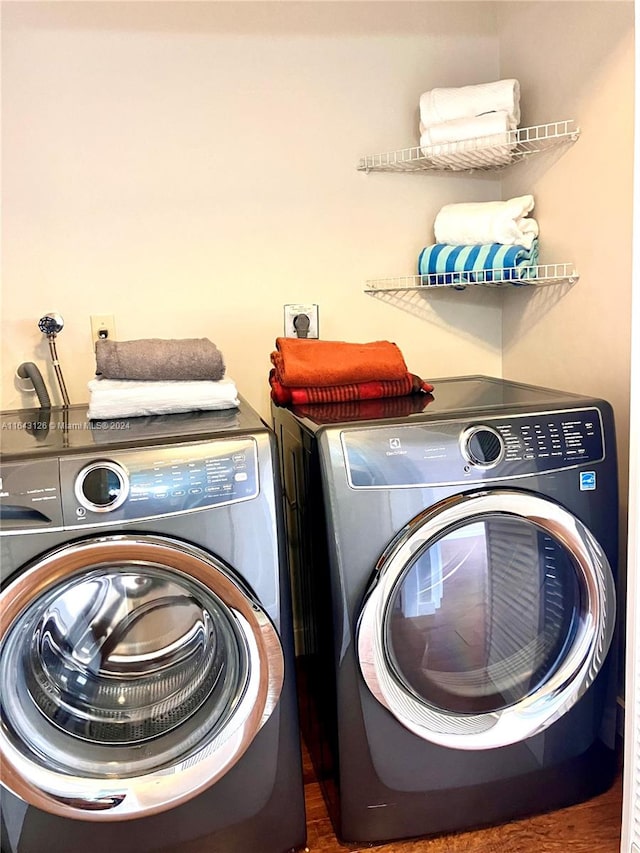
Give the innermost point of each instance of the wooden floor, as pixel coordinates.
(592, 827)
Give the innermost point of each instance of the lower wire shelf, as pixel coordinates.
(538, 276)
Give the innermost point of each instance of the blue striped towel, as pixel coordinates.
(446, 264)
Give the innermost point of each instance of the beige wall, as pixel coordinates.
(191, 167)
(577, 61)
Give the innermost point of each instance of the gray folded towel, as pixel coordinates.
(157, 359)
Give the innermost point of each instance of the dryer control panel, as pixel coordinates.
(459, 451)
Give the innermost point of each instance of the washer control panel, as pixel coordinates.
(137, 484)
(456, 451)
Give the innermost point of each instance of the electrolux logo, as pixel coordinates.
(395, 446)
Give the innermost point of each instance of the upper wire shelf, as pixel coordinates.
(539, 276)
(475, 154)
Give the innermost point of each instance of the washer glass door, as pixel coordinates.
(489, 616)
(135, 672)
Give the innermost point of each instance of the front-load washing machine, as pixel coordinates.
(146, 659)
(455, 570)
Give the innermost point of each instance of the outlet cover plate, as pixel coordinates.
(102, 326)
(292, 311)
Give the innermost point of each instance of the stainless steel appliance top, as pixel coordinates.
(450, 395)
(35, 433)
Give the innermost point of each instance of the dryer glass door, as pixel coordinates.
(135, 672)
(489, 616)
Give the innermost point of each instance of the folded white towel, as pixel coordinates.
(444, 104)
(130, 398)
(483, 222)
(464, 143)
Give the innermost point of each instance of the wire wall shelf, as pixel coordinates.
(491, 153)
(538, 276)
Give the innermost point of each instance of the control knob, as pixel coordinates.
(482, 446)
(102, 486)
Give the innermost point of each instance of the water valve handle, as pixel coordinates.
(51, 324)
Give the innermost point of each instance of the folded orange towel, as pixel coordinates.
(283, 395)
(304, 363)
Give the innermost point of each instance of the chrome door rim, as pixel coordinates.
(558, 693)
(120, 799)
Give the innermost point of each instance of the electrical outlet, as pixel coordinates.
(102, 326)
(292, 311)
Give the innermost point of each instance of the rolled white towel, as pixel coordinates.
(443, 104)
(475, 127)
(463, 143)
(130, 398)
(483, 222)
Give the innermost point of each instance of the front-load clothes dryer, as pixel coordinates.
(146, 659)
(455, 570)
